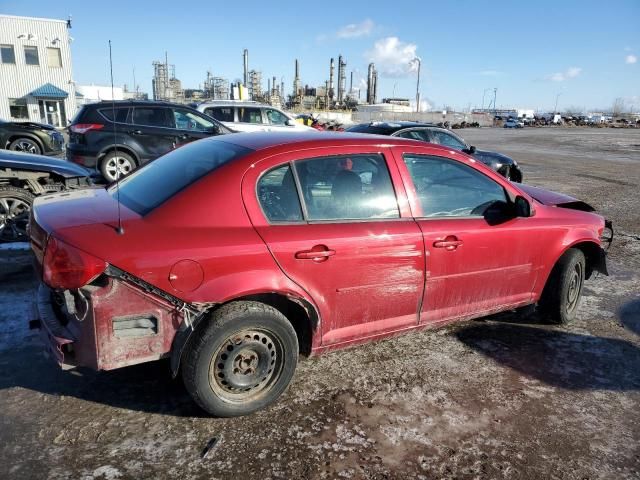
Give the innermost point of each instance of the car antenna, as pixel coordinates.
(120, 230)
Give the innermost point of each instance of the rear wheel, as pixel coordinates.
(15, 206)
(25, 145)
(242, 361)
(116, 164)
(561, 295)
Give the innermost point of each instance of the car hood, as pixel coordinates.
(40, 163)
(42, 126)
(555, 199)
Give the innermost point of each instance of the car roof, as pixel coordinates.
(135, 103)
(391, 127)
(233, 103)
(313, 139)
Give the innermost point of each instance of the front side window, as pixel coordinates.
(7, 54)
(448, 140)
(186, 120)
(447, 188)
(223, 114)
(152, 117)
(347, 187)
(54, 58)
(276, 118)
(249, 115)
(18, 108)
(31, 56)
(278, 195)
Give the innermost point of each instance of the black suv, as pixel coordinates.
(427, 132)
(116, 137)
(30, 137)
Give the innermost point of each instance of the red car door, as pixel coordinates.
(335, 226)
(475, 264)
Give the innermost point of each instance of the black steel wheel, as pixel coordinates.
(561, 295)
(15, 208)
(25, 145)
(242, 360)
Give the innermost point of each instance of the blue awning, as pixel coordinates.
(49, 91)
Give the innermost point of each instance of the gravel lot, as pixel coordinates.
(502, 397)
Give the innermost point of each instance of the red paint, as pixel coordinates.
(211, 243)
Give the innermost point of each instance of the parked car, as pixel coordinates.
(237, 254)
(22, 178)
(513, 123)
(30, 137)
(426, 132)
(140, 131)
(251, 116)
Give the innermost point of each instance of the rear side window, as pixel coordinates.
(121, 114)
(278, 195)
(447, 188)
(156, 182)
(347, 187)
(153, 117)
(223, 114)
(249, 115)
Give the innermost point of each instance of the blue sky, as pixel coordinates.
(586, 51)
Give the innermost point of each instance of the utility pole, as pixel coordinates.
(485, 91)
(417, 59)
(495, 91)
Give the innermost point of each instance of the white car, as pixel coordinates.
(514, 123)
(251, 116)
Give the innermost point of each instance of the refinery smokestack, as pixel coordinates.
(245, 57)
(331, 80)
(296, 81)
(342, 78)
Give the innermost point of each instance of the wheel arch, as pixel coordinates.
(30, 136)
(301, 313)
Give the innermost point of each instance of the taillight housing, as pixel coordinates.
(66, 267)
(85, 127)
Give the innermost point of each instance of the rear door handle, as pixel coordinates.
(450, 243)
(318, 253)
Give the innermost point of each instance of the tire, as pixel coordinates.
(25, 145)
(561, 295)
(242, 360)
(116, 164)
(15, 207)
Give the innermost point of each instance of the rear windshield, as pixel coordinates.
(370, 129)
(158, 181)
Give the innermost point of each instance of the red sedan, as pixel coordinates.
(238, 253)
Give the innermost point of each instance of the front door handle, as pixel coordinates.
(136, 132)
(450, 243)
(318, 253)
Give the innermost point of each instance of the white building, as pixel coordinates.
(36, 80)
(96, 93)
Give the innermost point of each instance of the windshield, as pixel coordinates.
(158, 181)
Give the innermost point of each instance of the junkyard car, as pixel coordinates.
(30, 137)
(426, 132)
(22, 178)
(239, 253)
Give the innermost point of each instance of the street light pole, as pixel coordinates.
(555, 108)
(483, 93)
(417, 59)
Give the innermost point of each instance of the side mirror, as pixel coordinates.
(290, 123)
(523, 208)
(470, 150)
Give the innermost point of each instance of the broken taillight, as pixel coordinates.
(66, 267)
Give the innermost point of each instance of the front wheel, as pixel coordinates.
(561, 295)
(25, 145)
(15, 206)
(242, 360)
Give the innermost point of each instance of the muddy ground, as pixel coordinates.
(503, 397)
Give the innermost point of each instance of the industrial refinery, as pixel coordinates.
(332, 95)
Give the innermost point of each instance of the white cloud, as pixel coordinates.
(630, 59)
(571, 72)
(393, 57)
(355, 30)
(490, 73)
